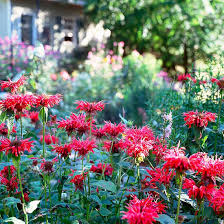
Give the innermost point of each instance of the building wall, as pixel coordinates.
(5, 14)
(54, 23)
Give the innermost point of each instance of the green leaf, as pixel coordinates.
(96, 199)
(14, 220)
(2, 116)
(165, 219)
(11, 201)
(43, 114)
(104, 211)
(32, 206)
(106, 185)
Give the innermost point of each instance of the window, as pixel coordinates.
(26, 29)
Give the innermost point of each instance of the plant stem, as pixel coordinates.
(178, 205)
(139, 184)
(21, 189)
(218, 121)
(21, 126)
(45, 195)
(49, 189)
(43, 141)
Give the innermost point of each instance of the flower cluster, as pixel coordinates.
(8, 178)
(143, 211)
(105, 169)
(199, 119)
(90, 108)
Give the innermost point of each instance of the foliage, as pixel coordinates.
(177, 32)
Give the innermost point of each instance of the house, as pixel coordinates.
(52, 22)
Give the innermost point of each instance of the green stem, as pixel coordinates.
(218, 121)
(21, 189)
(178, 205)
(139, 181)
(45, 195)
(43, 141)
(111, 155)
(21, 127)
(49, 189)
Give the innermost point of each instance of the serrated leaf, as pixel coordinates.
(14, 220)
(32, 206)
(106, 185)
(104, 211)
(2, 116)
(165, 219)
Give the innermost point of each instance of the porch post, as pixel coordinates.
(5, 18)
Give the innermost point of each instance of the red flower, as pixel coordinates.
(199, 119)
(217, 200)
(159, 149)
(219, 82)
(138, 142)
(206, 166)
(160, 175)
(115, 148)
(34, 116)
(98, 132)
(75, 123)
(4, 129)
(83, 147)
(78, 180)
(175, 158)
(63, 150)
(106, 168)
(48, 100)
(49, 139)
(53, 120)
(47, 167)
(113, 130)
(184, 77)
(90, 108)
(10, 181)
(16, 147)
(17, 103)
(143, 211)
(197, 191)
(13, 86)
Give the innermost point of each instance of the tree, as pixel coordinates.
(176, 31)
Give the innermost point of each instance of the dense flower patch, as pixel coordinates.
(63, 170)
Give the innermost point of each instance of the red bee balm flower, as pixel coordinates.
(47, 166)
(217, 201)
(208, 167)
(113, 130)
(75, 123)
(49, 139)
(34, 116)
(78, 180)
(16, 147)
(17, 103)
(10, 181)
(106, 168)
(48, 100)
(160, 176)
(90, 108)
(199, 119)
(83, 147)
(143, 211)
(184, 77)
(219, 82)
(138, 142)
(13, 86)
(175, 158)
(198, 191)
(64, 150)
